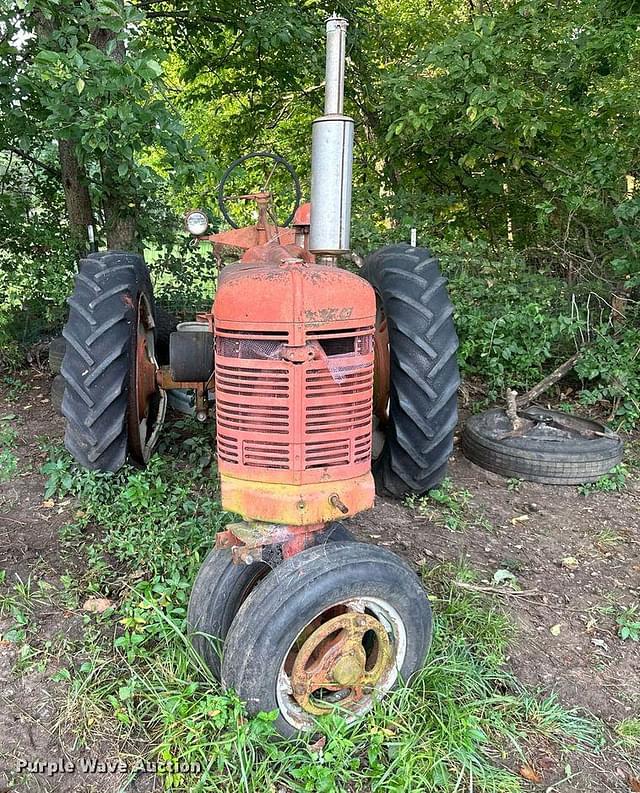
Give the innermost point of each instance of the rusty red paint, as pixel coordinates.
(146, 384)
(246, 539)
(302, 216)
(284, 416)
(264, 231)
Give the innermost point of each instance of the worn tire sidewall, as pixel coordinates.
(265, 628)
(221, 587)
(571, 462)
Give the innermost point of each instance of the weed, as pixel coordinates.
(628, 621)
(629, 732)
(608, 538)
(613, 482)
(8, 460)
(447, 507)
(513, 485)
(13, 388)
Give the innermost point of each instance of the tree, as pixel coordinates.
(81, 75)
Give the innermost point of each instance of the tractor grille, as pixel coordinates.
(281, 416)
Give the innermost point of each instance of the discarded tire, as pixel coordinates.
(422, 370)
(552, 448)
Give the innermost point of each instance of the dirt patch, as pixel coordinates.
(575, 562)
(576, 557)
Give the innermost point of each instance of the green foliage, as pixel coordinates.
(628, 621)
(184, 277)
(613, 482)
(83, 74)
(516, 324)
(524, 119)
(610, 368)
(512, 322)
(8, 459)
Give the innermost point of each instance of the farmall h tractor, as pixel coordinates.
(303, 357)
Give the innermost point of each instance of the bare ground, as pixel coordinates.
(575, 558)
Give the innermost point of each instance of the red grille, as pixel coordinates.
(264, 454)
(274, 414)
(319, 454)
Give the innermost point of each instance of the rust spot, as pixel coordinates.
(322, 315)
(333, 658)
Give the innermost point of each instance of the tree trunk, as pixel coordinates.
(76, 196)
(120, 227)
(119, 205)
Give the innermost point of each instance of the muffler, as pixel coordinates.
(332, 157)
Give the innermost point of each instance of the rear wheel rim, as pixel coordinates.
(344, 659)
(147, 401)
(382, 366)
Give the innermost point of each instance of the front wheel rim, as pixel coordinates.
(343, 659)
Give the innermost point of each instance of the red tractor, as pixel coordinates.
(304, 358)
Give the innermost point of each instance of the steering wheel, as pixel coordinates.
(278, 162)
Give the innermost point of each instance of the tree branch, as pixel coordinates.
(34, 161)
(558, 373)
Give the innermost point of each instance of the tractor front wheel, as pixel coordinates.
(112, 402)
(416, 372)
(330, 630)
(222, 586)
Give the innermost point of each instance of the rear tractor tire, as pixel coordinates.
(112, 403)
(416, 371)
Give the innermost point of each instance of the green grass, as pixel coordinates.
(628, 731)
(448, 507)
(134, 680)
(8, 459)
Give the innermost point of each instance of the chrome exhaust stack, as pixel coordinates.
(332, 157)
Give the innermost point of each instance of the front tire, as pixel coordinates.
(421, 412)
(111, 303)
(332, 628)
(219, 590)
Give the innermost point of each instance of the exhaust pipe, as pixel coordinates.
(332, 157)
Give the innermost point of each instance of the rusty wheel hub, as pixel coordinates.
(340, 661)
(147, 402)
